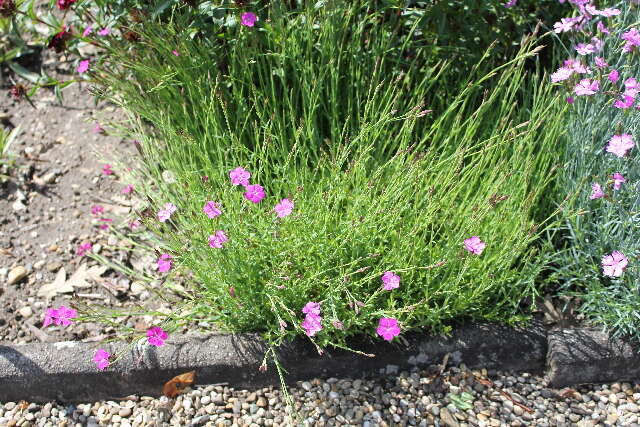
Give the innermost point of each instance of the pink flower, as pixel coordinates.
(624, 103)
(565, 24)
(312, 325)
(587, 87)
(239, 176)
(104, 32)
(61, 316)
(127, 189)
(254, 193)
(613, 76)
(105, 224)
(107, 169)
(600, 62)
(212, 209)
(101, 359)
(618, 180)
(156, 336)
(64, 4)
(577, 66)
(474, 245)
(391, 280)
(312, 308)
(97, 210)
(609, 11)
(83, 66)
(83, 249)
(596, 191)
(602, 28)
(631, 87)
(585, 49)
(632, 38)
(218, 239)
(614, 264)
(563, 73)
(248, 19)
(165, 214)
(620, 144)
(570, 100)
(388, 328)
(164, 263)
(88, 30)
(283, 208)
(97, 128)
(133, 225)
(175, 53)
(510, 3)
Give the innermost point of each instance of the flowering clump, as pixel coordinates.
(254, 193)
(218, 239)
(61, 316)
(614, 264)
(248, 19)
(212, 209)
(83, 249)
(164, 263)
(283, 208)
(620, 144)
(474, 245)
(312, 323)
(165, 214)
(101, 359)
(390, 280)
(388, 328)
(239, 176)
(156, 336)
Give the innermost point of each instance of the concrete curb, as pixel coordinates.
(581, 355)
(65, 371)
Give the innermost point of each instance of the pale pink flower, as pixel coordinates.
(165, 214)
(631, 87)
(564, 25)
(597, 44)
(596, 191)
(283, 208)
(88, 30)
(602, 28)
(620, 144)
(248, 19)
(239, 176)
(156, 336)
(609, 11)
(587, 87)
(600, 62)
(97, 209)
(337, 324)
(127, 189)
(133, 225)
(175, 53)
(474, 245)
(97, 128)
(83, 66)
(391, 280)
(83, 249)
(165, 263)
(614, 264)
(312, 308)
(388, 328)
(632, 38)
(618, 180)
(107, 169)
(104, 32)
(585, 49)
(613, 76)
(563, 73)
(576, 66)
(312, 324)
(254, 193)
(61, 316)
(212, 209)
(101, 359)
(218, 239)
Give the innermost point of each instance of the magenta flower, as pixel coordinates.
(474, 245)
(156, 336)
(570, 100)
(133, 225)
(283, 208)
(127, 189)
(618, 180)
(97, 210)
(563, 73)
(311, 308)
(312, 324)
(587, 87)
(218, 239)
(212, 209)
(254, 193)
(175, 53)
(613, 76)
(165, 263)
(88, 30)
(83, 66)
(61, 316)
(101, 359)
(165, 214)
(596, 191)
(620, 144)
(107, 169)
(600, 62)
(388, 328)
(104, 32)
(624, 103)
(585, 48)
(83, 249)
(64, 4)
(239, 176)
(614, 264)
(391, 280)
(105, 223)
(248, 19)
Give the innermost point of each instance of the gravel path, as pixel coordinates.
(416, 398)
